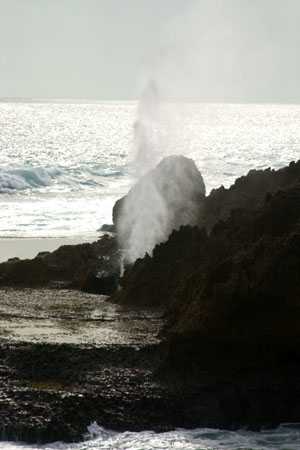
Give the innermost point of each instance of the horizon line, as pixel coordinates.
(80, 100)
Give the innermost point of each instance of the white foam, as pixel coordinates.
(98, 438)
(67, 178)
(62, 166)
(25, 178)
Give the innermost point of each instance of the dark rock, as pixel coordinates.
(108, 228)
(69, 265)
(103, 283)
(249, 284)
(232, 305)
(191, 257)
(42, 254)
(164, 199)
(13, 260)
(240, 283)
(123, 389)
(52, 391)
(248, 192)
(153, 281)
(227, 355)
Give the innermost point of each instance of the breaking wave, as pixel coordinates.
(25, 178)
(98, 438)
(30, 178)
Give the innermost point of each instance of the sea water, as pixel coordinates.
(286, 437)
(63, 165)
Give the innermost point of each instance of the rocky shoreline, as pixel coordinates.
(68, 359)
(205, 332)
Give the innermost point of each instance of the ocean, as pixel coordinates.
(286, 437)
(63, 165)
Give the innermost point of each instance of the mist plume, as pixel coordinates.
(169, 188)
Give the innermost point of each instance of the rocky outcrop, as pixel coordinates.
(73, 358)
(74, 266)
(102, 282)
(177, 180)
(237, 284)
(248, 285)
(164, 199)
(198, 252)
(248, 192)
(120, 389)
(153, 281)
(68, 359)
(231, 293)
(225, 353)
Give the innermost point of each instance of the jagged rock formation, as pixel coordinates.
(200, 252)
(153, 281)
(248, 283)
(226, 352)
(241, 279)
(164, 199)
(247, 192)
(68, 359)
(231, 293)
(77, 266)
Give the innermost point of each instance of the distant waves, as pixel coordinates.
(26, 178)
(62, 178)
(62, 166)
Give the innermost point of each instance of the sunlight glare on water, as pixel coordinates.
(62, 166)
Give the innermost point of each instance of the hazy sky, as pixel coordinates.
(231, 50)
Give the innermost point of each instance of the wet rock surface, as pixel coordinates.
(164, 199)
(231, 294)
(66, 316)
(250, 253)
(102, 282)
(70, 266)
(69, 358)
(248, 192)
(206, 332)
(98, 362)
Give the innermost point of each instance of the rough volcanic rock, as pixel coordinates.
(240, 282)
(99, 362)
(248, 192)
(69, 265)
(162, 200)
(68, 358)
(153, 281)
(101, 282)
(232, 299)
(157, 280)
(108, 228)
(249, 284)
(229, 352)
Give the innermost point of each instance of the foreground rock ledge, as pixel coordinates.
(216, 343)
(68, 359)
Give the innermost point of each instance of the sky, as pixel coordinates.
(201, 50)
